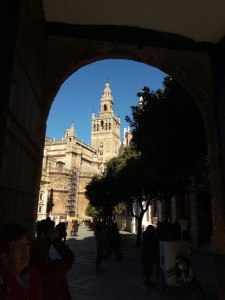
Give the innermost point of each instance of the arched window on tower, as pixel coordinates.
(106, 126)
(94, 127)
(97, 127)
(60, 166)
(102, 124)
(105, 107)
(109, 126)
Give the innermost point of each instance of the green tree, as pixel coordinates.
(136, 186)
(123, 184)
(109, 193)
(129, 184)
(91, 211)
(169, 132)
(119, 208)
(98, 191)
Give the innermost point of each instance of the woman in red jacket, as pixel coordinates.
(53, 271)
(18, 279)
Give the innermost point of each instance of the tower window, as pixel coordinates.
(105, 107)
(60, 167)
(109, 126)
(106, 126)
(97, 127)
(102, 124)
(94, 127)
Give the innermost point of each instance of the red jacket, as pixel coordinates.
(14, 291)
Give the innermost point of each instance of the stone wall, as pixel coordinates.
(22, 135)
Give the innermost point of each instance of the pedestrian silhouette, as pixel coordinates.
(100, 244)
(113, 242)
(150, 253)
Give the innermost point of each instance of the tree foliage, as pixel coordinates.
(91, 211)
(119, 208)
(99, 192)
(169, 132)
(123, 183)
(111, 192)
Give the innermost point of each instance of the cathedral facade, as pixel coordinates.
(69, 164)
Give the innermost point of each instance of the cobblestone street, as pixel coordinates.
(121, 279)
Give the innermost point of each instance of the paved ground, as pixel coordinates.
(121, 279)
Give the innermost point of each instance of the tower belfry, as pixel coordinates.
(105, 133)
(107, 99)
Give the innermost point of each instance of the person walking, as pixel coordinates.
(100, 245)
(76, 225)
(150, 253)
(71, 228)
(113, 242)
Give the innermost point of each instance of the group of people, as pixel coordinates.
(73, 227)
(28, 272)
(150, 255)
(170, 231)
(108, 240)
(26, 269)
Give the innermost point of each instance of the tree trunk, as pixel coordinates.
(167, 206)
(139, 232)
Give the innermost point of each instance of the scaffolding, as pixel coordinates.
(72, 194)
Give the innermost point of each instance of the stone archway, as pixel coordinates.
(193, 70)
(31, 79)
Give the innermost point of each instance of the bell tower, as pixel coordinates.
(105, 132)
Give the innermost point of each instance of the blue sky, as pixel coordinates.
(82, 91)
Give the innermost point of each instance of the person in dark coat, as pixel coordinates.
(61, 227)
(53, 271)
(176, 231)
(150, 253)
(113, 242)
(100, 244)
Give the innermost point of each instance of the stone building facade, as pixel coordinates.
(69, 164)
